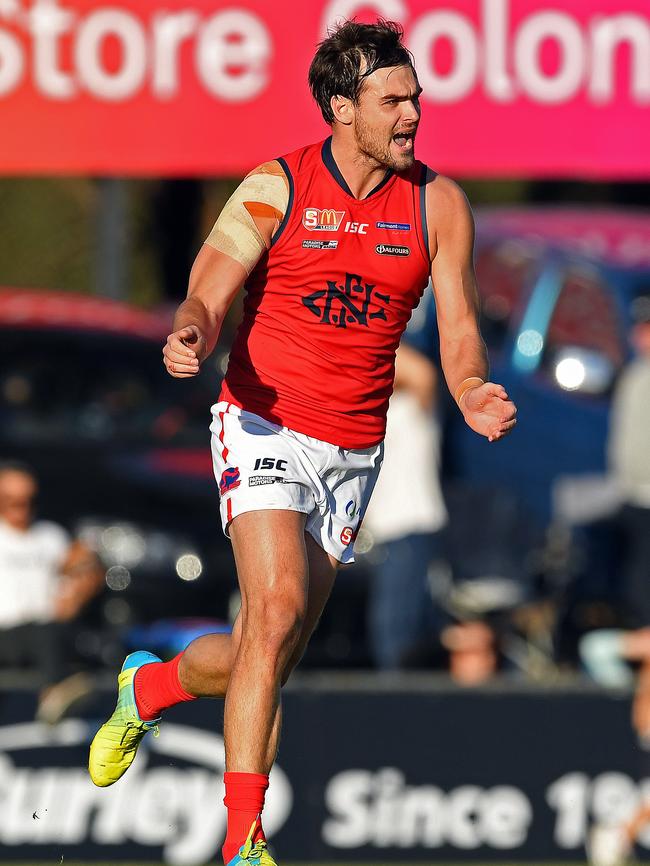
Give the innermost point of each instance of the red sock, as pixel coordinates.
(157, 687)
(244, 800)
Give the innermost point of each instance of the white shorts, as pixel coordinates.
(259, 465)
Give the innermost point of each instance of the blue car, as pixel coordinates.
(556, 290)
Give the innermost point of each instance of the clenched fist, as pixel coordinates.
(184, 351)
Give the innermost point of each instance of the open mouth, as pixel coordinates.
(404, 141)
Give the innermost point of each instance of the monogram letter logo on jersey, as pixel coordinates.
(344, 305)
(316, 220)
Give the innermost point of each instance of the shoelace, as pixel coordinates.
(257, 850)
(138, 725)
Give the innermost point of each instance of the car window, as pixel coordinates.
(505, 269)
(73, 386)
(586, 316)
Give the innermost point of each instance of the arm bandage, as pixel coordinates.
(260, 196)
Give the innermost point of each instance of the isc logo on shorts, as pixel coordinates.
(347, 535)
(327, 220)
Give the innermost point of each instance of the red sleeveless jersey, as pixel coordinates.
(326, 306)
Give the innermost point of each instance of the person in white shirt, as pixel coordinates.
(46, 580)
(31, 553)
(629, 457)
(606, 653)
(407, 514)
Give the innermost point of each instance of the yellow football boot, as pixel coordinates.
(115, 744)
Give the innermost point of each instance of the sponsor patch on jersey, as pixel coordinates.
(317, 219)
(392, 250)
(394, 227)
(320, 245)
(258, 480)
(229, 479)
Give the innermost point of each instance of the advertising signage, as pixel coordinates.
(204, 87)
(452, 776)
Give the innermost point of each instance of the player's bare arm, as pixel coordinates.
(485, 405)
(240, 237)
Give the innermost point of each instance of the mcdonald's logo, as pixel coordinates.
(326, 220)
(328, 217)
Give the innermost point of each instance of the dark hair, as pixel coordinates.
(337, 64)
(17, 466)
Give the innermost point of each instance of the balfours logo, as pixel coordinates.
(392, 250)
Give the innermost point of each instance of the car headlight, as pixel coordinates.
(570, 373)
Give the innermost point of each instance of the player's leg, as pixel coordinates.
(204, 668)
(149, 686)
(206, 664)
(322, 574)
(272, 568)
(323, 569)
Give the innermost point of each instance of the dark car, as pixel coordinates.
(557, 288)
(121, 450)
(122, 454)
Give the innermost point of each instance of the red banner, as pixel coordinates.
(201, 87)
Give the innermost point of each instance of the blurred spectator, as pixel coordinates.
(609, 518)
(607, 656)
(473, 654)
(46, 582)
(637, 648)
(407, 514)
(629, 455)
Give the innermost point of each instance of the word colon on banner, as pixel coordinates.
(379, 809)
(507, 57)
(116, 51)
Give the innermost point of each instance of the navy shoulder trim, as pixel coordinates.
(285, 220)
(423, 207)
(332, 167)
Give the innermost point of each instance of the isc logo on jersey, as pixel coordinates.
(327, 220)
